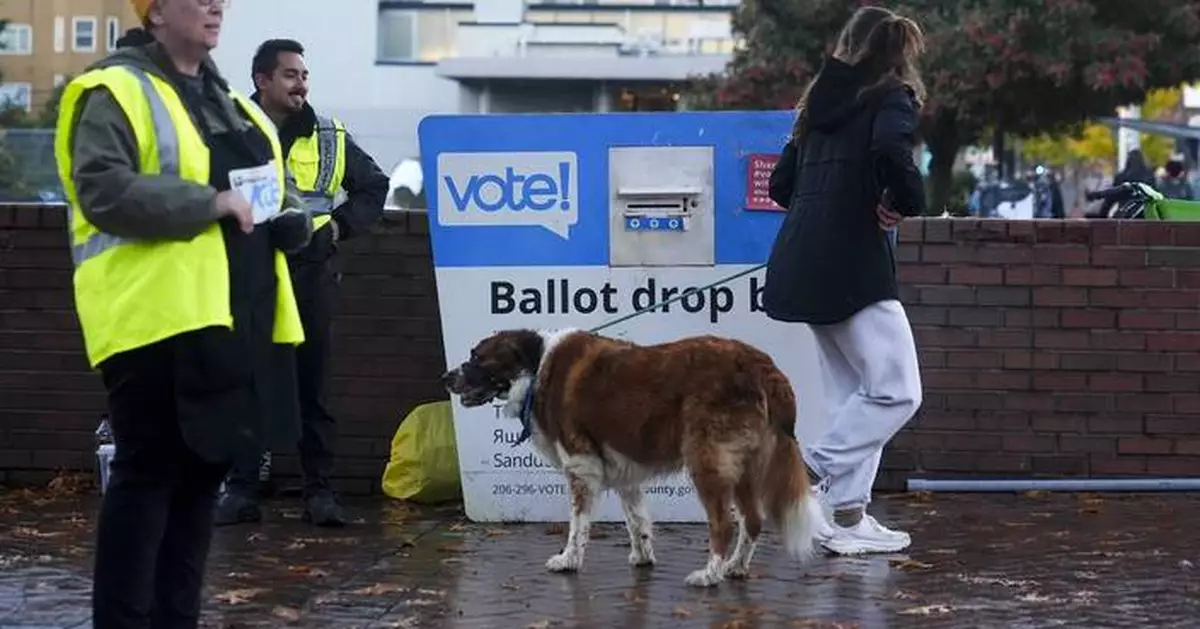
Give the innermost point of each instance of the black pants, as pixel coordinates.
(314, 282)
(156, 518)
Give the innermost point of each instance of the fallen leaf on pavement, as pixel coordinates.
(286, 613)
(1036, 494)
(927, 610)
(238, 596)
(541, 624)
(25, 531)
(681, 612)
(909, 564)
(497, 532)
(458, 526)
(921, 496)
(69, 484)
(510, 584)
(308, 571)
(379, 589)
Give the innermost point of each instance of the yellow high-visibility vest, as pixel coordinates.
(318, 164)
(131, 293)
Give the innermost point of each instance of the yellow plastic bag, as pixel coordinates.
(424, 463)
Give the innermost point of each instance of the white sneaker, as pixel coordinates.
(868, 536)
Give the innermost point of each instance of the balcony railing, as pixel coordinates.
(541, 39)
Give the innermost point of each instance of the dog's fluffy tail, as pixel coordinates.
(790, 502)
(789, 499)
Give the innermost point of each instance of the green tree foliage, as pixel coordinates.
(1022, 67)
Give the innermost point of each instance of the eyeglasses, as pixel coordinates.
(218, 4)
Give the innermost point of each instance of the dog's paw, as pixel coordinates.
(737, 572)
(703, 578)
(736, 568)
(641, 558)
(564, 562)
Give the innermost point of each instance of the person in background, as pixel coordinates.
(1047, 194)
(985, 198)
(1136, 170)
(179, 214)
(847, 176)
(1174, 184)
(324, 159)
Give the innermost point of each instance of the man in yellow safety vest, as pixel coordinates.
(179, 217)
(324, 160)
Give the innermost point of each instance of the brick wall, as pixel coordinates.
(1048, 349)
(1053, 348)
(387, 356)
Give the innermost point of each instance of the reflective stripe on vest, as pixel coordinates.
(320, 196)
(168, 159)
(327, 146)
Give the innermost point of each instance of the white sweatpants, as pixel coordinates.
(872, 389)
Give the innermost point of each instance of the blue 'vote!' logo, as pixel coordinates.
(509, 189)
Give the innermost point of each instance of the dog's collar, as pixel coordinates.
(526, 415)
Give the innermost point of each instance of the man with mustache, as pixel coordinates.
(324, 160)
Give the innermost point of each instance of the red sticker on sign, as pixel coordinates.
(758, 183)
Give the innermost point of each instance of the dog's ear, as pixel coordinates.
(530, 346)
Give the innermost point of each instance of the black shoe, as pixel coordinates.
(236, 508)
(322, 509)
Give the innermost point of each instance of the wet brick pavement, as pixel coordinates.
(977, 561)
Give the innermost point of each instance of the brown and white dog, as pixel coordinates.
(613, 415)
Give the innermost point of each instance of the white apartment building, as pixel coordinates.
(382, 65)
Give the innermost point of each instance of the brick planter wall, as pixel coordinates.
(1053, 348)
(1048, 349)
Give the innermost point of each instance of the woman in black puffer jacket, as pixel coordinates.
(847, 177)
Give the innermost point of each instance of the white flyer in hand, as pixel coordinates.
(260, 186)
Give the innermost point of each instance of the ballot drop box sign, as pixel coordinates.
(574, 220)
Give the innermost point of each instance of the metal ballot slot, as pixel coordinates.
(661, 206)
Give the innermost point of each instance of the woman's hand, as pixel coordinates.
(232, 203)
(887, 218)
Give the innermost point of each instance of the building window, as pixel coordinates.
(16, 95)
(60, 33)
(114, 33)
(397, 36)
(83, 31)
(16, 39)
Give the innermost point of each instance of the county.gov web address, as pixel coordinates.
(560, 489)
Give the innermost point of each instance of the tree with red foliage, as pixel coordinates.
(1017, 67)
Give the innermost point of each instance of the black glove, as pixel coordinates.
(291, 230)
